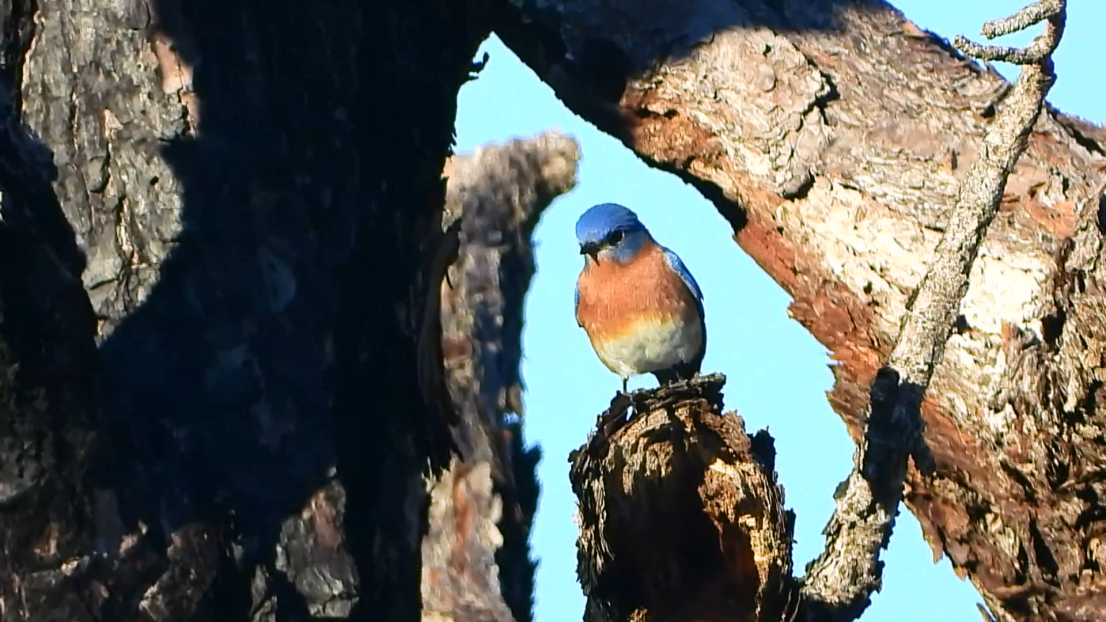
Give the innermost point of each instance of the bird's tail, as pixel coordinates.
(678, 372)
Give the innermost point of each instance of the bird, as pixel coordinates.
(641, 308)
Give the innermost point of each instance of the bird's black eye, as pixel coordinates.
(615, 237)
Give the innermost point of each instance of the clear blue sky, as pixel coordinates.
(764, 353)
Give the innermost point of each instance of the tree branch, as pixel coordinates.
(475, 554)
(1039, 51)
(840, 582)
(614, 477)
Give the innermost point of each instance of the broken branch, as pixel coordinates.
(680, 514)
(475, 562)
(1039, 51)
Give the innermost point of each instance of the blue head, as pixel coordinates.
(610, 232)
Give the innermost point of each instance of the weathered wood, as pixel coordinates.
(839, 584)
(475, 556)
(681, 518)
(833, 136)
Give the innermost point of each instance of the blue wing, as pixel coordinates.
(576, 306)
(681, 270)
(677, 265)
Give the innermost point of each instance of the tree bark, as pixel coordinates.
(681, 514)
(253, 196)
(833, 136)
(50, 390)
(476, 563)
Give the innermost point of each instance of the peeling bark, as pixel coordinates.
(839, 584)
(833, 136)
(476, 563)
(252, 196)
(680, 514)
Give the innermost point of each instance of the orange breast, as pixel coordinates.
(613, 296)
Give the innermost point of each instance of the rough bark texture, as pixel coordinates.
(833, 136)
(681, 517)
(844, 577)
(476, 563)
(252, 196)
(49, 389)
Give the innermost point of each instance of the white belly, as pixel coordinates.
(650, 345)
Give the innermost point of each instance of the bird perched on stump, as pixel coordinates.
(639, 305)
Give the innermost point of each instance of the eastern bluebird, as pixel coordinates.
(639, 305)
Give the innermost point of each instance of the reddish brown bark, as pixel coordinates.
(832, 136)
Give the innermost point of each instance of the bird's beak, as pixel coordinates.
(591, 249)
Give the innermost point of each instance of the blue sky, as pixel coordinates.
(764, 353)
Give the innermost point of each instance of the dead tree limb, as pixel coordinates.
(839, 583)
(835, 136)
(475, 555)
(680, 514)
(681, 519)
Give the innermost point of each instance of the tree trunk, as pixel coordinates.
(252, 195)
(832, 135)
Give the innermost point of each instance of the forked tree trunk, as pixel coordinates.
(832, 135)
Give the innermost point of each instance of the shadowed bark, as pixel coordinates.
(49, 392)
(834, 136)
(252, 195)
(476, 563)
